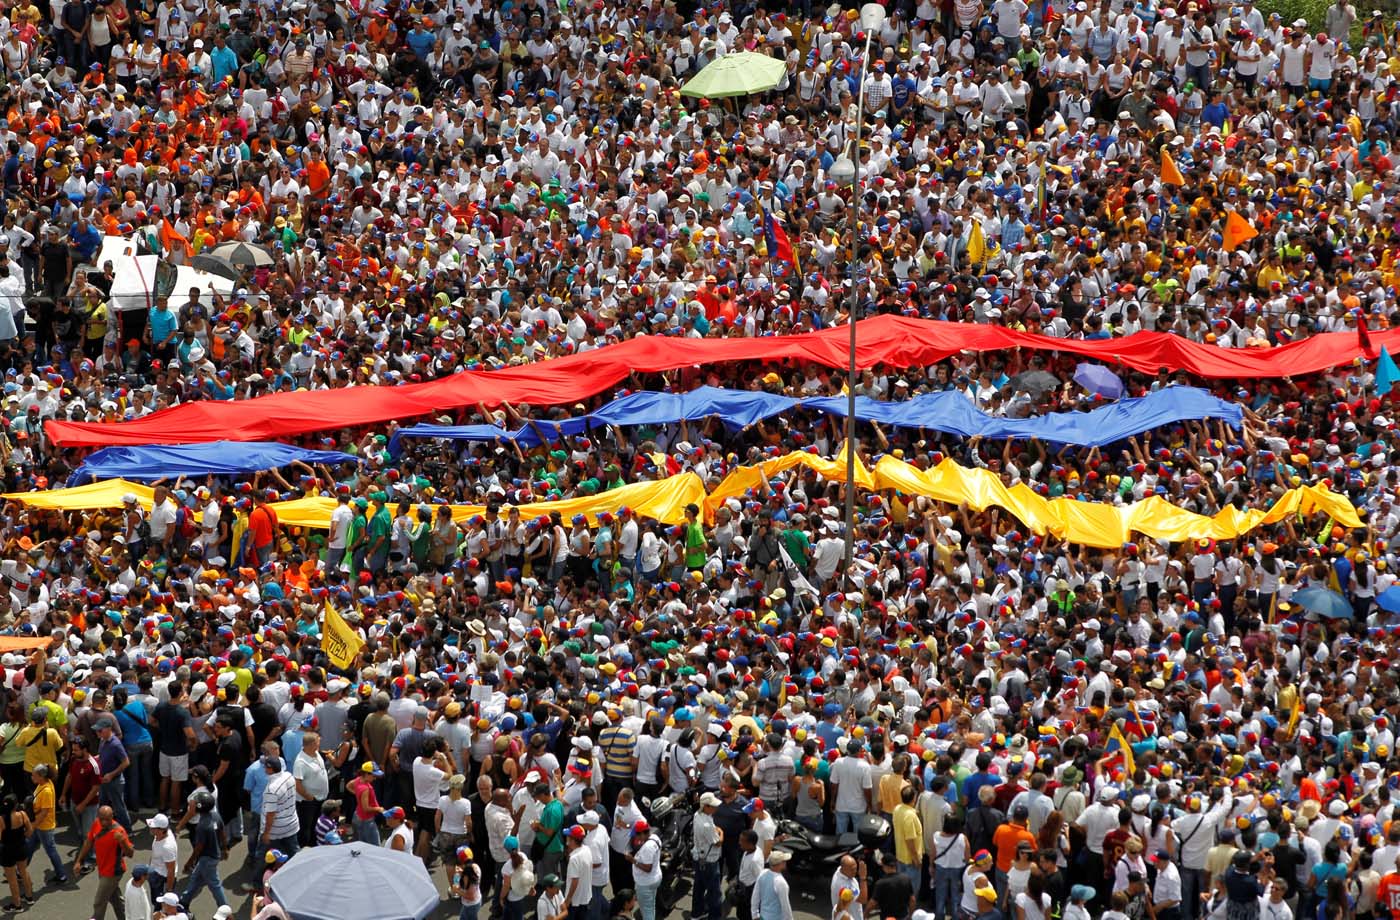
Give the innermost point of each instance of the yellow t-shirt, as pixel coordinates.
(907, 827)
(40, 745)
(44, 807)
(242, 677)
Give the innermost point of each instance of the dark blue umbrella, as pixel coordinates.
(1389, 599)
(1098, 379)
(1324, 602)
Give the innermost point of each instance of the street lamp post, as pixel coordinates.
(846, 171)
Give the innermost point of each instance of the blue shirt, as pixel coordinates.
(975, 782)
(85, 241)
(224, 61)
(132, 719)
(162, 325)
(110, 754)
(255, 782)
(421, 41)
(770, 903)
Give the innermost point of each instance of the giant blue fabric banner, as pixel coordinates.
(950, 412)
(953, 413)
(218, 458)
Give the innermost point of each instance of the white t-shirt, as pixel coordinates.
(455, 813)
(649, 853)
(161, 518)
(580, 866)
(427, 783)
(852, 777)
(311, 770)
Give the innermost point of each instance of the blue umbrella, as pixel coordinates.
(1389, 599)
(1098, 379)
(352, 881)
(1324, 602)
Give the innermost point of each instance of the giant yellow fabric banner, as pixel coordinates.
(91, 497)
(748, 477)
(1089, 523)
(662, 501)
(1097, 523)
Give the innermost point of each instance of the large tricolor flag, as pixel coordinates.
(779, 246)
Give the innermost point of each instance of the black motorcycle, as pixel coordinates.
(819, 854)
(671, 818)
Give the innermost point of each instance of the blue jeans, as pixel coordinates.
(140, 790)
(367, 831)
(1192, 887)
(469, 912)
(646, 900)
(847, 821)
(205, 874)
(706, 900)
(947, 892)
(83, 821)
(287, 845)
(114, 794)
(45, 839)
(911, 872)
(598, 907)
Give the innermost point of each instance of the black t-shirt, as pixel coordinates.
(206, 832)
(231, 750)
(892, 893)
(171, 722)
(1287, 859)
(264, 721)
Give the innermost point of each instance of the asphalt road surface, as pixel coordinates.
(74, 901)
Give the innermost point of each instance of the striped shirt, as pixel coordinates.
(280, 800)
(619, 746)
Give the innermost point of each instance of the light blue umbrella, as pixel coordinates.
(1324, 602)
(1389, 599)
(352, 881)
(1098, 379)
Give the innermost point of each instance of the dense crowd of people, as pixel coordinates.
(1151, 731)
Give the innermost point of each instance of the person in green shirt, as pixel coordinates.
(380, 527)
(796, 542)
(356, 540)
(696, 548)
(548, 850)
(420, 537)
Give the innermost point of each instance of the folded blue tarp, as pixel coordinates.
(218, 458)
(950, 412)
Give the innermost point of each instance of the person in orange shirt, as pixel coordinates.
(1008, 837)
(318, 175)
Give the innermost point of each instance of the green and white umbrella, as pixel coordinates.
(739, 74)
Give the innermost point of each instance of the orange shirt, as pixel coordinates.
(1388, 895)
(1006, 839)
(318, 178)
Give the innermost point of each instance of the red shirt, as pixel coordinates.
(262, 521)
(82, 778)
(108, 844)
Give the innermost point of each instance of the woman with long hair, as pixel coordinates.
(466, 884)
(12, 772)
(1054, 835)
(14, 854)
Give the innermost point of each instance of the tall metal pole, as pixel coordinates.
(853, 219)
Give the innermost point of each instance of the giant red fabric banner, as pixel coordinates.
(891, 341)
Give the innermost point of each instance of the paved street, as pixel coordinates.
(74, 902)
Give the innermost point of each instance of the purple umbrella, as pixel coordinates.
(1098, 379)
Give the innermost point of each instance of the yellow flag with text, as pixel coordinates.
(340, 643)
